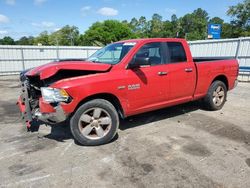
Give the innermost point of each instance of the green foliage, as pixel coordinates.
(106, 32)
(66, 36)
(7, 41)
(42, 39)
(240, 14)
(216, 20)
(156, 26)
(25, 41)
(192, 26)
(141, 27)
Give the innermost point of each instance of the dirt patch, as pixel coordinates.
(217, 127)
(172, 174)
(9, 111)
(157, 166)
(178, 177)
(141, 168)
(37, 145)
(25, 137)
(9, 108)
(147, 168)
(15, 86)
(196, 149)
(30, 143)
(248, 162)
(137, 170)
(23, 169)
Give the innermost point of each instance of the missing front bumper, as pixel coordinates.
(56, 117)
(35, 109)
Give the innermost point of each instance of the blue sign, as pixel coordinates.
(214, 31)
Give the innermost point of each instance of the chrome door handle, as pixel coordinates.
(189, 70)
(162, 73)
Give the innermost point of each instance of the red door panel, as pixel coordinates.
(146, 87)
(182, 81)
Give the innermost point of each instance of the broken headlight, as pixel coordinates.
(53, 95)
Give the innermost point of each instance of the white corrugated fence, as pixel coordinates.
(234, 48)
(14, 59)
(229, 48)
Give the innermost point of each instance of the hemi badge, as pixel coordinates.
(121, 87)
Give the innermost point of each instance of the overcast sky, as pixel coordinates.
(30, 17)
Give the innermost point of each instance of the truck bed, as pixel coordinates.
(208, 68)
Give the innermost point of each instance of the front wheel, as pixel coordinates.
(216, 96)
(94, 123)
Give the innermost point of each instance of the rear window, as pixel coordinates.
(176, 52)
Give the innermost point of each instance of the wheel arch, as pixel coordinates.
(106, 96)
(221, 78)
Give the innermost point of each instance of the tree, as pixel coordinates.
(143, 27)
(156, 26)
(7, 41)
(25, 41)
(228, 31)
(42, 39)
(134, 24)
(240, 14)
(216, 20)
(194, 25)
(102, 33)
(140, 27)
(66, 36)
(168, 30)
(200, 13)
(176, 25)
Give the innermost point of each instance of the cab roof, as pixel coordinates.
(154, 40)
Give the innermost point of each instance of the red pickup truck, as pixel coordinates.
(120, 80)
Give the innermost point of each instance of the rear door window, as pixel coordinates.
(176, 53)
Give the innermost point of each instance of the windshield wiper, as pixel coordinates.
(95, 61)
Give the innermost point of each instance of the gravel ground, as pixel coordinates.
(182, 146)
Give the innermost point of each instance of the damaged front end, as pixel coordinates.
(32, 105)
(41, 102)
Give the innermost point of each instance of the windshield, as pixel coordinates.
(112, 53)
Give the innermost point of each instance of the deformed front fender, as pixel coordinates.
(50, 69)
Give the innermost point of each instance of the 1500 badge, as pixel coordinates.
(134, 86)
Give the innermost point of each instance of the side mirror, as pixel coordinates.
(138, 62)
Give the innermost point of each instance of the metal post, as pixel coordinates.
(22, 56)
(57, 53)
(87, 53)
(238, 48)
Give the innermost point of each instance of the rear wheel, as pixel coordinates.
(94, 123)
(216, 96)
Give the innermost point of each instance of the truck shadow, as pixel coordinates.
(62, 132)
(158, 115)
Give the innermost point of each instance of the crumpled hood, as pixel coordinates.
(50, 69)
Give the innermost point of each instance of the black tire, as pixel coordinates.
(87, 140)
(209, 101)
